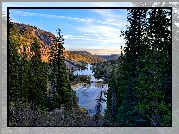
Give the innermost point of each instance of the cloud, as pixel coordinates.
(22, 13)
(74, 38)
(103, 34)
(110, 17)
(68, 36)
(110, 20)
(96, 34)
(105, 12)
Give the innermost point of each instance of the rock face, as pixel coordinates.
(70, 65)
(25, 36)
(83, 56)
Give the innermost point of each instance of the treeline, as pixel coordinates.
(76, 65)
(104, 69)
(82, 57)
(140, 89)
(42, 86)
(75, 78)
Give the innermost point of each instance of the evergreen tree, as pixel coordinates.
(13, 66)
(62, 93)
(114, 98)
(38, 77)
(155, 81)
(144, 77)
(98, 107)
(127, 115)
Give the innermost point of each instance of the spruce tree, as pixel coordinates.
(13, 65)
(62, 93)
(144, 77)
(155, 81)
(127, 115)
(38, 77)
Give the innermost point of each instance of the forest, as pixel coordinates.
(140, 88)
(139, 81)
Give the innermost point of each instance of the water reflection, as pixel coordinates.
(87, 93)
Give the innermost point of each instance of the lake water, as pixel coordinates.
(88, 93)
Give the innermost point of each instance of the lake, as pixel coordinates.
(89, 92)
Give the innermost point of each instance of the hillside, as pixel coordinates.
(109, 57)
(26, 33)
(25, 37)
(84, 56)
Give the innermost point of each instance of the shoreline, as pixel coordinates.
(77, 84)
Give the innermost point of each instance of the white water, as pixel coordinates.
(87, 94)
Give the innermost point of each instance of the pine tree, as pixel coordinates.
(155, 81)
(127, 115)
(144, 79)
(13, 66)
(114, 98)
(37, 84)
(62, 93)
(98, 107)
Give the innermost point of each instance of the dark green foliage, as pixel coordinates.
(139, 92)
(104, 69)
(60, 87)
(98, 107)
(30, 79)
(27, 77)
(14, 90)
(158, 86)
(38, 77)
(143, 81)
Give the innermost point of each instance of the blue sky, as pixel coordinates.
(93, 30)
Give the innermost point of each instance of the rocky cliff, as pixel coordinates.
(26, 34)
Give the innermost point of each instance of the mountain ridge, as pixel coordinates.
(109, 57)
(26, 33)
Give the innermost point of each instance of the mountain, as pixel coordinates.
(26, 34)
(82, 52)
(83, 56)
(109, 57)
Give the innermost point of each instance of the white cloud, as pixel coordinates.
(68, 36)
(110, 17)
(96, 34)
(105, 12)
(74, 38)
(103, 34)
(82, 19)
(22, 13)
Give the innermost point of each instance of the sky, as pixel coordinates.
(94, 30)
